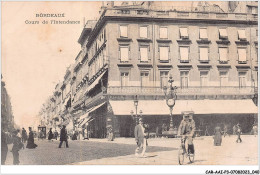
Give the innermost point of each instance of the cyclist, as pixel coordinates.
(186, 131)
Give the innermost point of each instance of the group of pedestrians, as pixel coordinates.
(18, 140)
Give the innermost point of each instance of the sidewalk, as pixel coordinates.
(230, 153)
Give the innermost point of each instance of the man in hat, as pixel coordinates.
(186, 131)
(140, 138)
(63, 136)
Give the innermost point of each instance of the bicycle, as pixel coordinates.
(183, 152)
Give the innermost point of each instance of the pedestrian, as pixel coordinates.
(30, 141)
(4, 147)
(17, 146)
(110, 134)
(56, 134)
(206, 131)
(234, 129)
(225, 130)
(74, 135)
(86, 133)
(255, 130)
(239, 132)
(24, 135)
(63, 136)
(217, 135)
(50, 137)
(140, 138)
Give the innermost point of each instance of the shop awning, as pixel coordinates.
(95, 82)
(86, 117)
(159, 107)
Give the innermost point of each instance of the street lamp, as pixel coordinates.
(170, 96)
(132, 112)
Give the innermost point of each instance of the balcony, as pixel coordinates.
(137, 90)
(174, 12)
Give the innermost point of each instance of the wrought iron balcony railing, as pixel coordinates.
(227, 90)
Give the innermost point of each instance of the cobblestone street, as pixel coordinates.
(160, 151)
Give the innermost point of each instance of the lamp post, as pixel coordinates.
(170, 96)
(132, 112)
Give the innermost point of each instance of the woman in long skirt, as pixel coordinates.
(217, 136)
(30, 141)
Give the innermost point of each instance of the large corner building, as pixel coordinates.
(131, 50)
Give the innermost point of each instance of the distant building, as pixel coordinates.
(133, 48)
(7, 117)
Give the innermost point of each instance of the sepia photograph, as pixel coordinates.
(129, 83)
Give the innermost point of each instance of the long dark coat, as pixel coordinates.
(30, 141)
(63, 135)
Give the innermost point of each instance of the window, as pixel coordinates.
(163, 32)
(184, 54)
(223, 78)
(164, 53)
(124, 79)
(124, 56)
(203, 78)
(123, 31)
(223, 34)
(242, 79)
(184, 33)
(203, 33)
(164, 78)
(241, 35)
(204, 56)
(223, 53)
(184, 79)
(144, 32)
(241, 55)
(144, 54)
(144, 79)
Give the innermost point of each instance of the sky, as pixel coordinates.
(36, 56)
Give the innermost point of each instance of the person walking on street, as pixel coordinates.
(17, 146)
(234, 129)
(140, 138)
(239, 132)
(30, 141)
(217, 136)
(50, 137)
(63, 137)
(56, 134)
(24, 135)
(4, 147)
(225, 130)
(206, 131)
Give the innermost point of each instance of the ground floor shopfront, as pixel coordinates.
(207, 114)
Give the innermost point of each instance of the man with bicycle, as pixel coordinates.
(186, 131)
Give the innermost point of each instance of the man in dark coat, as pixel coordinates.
(24, 135)
(63, 136)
